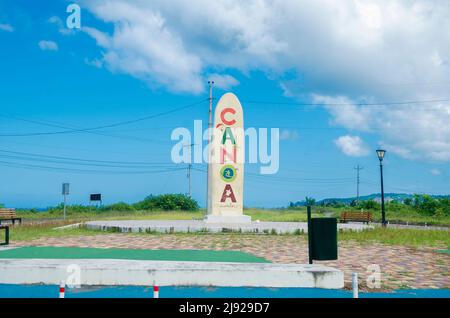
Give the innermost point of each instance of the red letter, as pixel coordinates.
(222, 116)
(223, 153)
(228, 193)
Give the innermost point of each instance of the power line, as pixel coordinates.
(75, 130)
(83, 171)
(71, 128)
(82, 163)
(290, 180)
(135, 163)
(348, 104)
(373, 183)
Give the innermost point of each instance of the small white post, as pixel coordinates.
(155, 291)
(355, 285)
(62, 289)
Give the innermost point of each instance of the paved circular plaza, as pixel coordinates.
(401, 267)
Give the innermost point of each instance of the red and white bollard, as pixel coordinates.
(62, 289)
(155, 291)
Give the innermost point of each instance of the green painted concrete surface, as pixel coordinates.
(130, 254)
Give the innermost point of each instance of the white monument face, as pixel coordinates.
(226, 167)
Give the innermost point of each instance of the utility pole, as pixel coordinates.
(65, 192)
(189, 177)
(210, 83)
(358, 168)
(189, 169)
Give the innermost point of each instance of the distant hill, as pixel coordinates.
(375, 196)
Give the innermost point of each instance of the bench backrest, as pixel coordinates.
(356, 215)
(7, 213)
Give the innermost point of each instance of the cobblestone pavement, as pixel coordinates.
(401, 267)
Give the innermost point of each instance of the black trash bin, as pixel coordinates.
(324, 239)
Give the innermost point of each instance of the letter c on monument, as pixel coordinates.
(224, 120)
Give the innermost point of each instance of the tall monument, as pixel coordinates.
(226, 166)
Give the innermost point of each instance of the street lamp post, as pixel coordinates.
(380, 154)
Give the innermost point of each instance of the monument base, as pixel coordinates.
(227, 219)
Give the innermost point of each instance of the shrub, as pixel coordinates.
(119, 206)
(445, 206)
(168, 202)
(408, 201)
(368, 205)
(76, 208)
(310, 201)
(426, 204)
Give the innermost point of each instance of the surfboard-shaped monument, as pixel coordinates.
(226, 166)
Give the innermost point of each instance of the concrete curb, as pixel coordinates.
(190, 226)
(70, 226)
(169, 273)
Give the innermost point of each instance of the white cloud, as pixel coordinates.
(46, 45)
(6, 27)
(61, 26)
(413, 131)
(352, 146)
(94, 62)
(334, 51)
(144, 46)
(339, 47)
(435, 172)
(344, 112)
(287, 134)
(223, 81)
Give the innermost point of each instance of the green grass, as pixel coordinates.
(399, 215)
(116, 215)
(35, 231)
(279, 215)
(409, 237)
(406, 237)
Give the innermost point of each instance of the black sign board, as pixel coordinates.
(96, 197)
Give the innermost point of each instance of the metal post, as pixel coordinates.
(383, 211)
(64, 206)
(310, 256)
(211, 83)
(6, 235)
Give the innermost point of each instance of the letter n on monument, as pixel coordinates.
(226, 166)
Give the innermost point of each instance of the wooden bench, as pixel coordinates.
(6, 228)
(365, 217)
(9, 215)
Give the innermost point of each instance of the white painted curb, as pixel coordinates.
(169, 273)
(186, 226)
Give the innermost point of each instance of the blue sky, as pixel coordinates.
(335, 99)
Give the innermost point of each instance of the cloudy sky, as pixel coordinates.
(339, 78)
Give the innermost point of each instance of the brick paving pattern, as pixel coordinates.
(401, 267)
